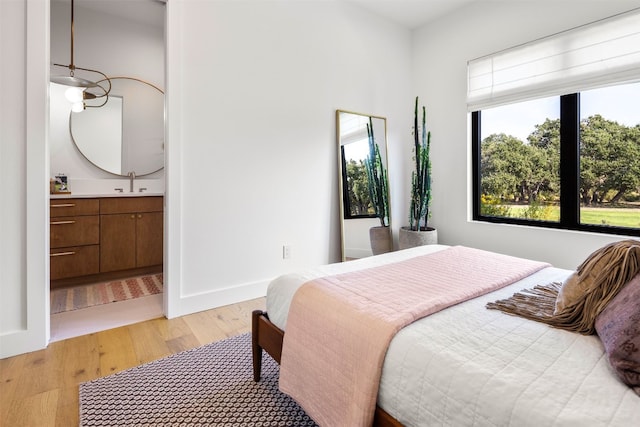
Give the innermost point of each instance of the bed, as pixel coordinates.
(467, 365)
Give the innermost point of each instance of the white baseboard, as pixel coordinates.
(220, 297)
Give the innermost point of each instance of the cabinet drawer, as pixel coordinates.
(74, 231)
(72, 207)
(74, 261)
(118, 205)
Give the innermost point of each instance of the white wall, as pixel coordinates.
(24, 213)
(440, 52)
(252, 155)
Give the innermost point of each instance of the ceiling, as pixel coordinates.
(411, 13)
(150, 12)
(408, 13)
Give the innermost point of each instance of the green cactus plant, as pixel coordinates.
(377, 178)
(421, 176)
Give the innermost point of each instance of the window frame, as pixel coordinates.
(569, 176)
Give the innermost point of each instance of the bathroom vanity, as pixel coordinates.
(103, 238)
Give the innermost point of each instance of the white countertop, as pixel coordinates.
(96, 188)
(94, 196)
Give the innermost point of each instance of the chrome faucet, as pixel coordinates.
(132, 176)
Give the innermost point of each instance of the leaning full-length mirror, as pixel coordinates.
(127, 133)
(364, 186)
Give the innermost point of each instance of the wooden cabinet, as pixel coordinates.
(149, 239)
(74, 237)
(118, 242)
(131, 233)
(103, 238)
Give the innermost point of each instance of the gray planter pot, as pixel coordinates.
(410, 239)
(381, 241)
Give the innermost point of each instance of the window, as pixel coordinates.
(570, 161)
(556, 129)
(357, 202)
(520, 160)
(610, 156)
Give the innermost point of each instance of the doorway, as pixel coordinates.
(136, 30)
(98, 318)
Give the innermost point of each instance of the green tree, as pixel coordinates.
(546, 138)
(358, 188)
(625, 164)
(522, 172)
(512, 169)
(609, 160)
(500, 165)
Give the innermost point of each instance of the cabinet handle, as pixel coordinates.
(139, 215)
(133, 217)
(64, 205)
(61, 222)
(62, 254)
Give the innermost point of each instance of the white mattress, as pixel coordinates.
(469, 366)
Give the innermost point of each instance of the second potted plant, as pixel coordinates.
(418, 232)
(380, 236)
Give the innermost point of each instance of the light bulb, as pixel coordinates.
(77, 107)
(74, 94)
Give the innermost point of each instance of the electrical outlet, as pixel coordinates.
(286, 251)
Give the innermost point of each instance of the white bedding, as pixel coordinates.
(469, 366)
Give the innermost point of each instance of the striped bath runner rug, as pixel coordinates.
(75, 298)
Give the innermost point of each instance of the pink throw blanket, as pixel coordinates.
(339, 327)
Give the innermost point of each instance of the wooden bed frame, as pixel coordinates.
(267, 336)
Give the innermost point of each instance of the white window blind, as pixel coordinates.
(594, 55)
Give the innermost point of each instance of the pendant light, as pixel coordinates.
(79, 88)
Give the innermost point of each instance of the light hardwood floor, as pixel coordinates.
(41, 388)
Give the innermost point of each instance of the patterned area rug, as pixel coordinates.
(210, 385)
(68, 299)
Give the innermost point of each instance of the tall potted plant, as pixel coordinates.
(418, 232)
(378, 184)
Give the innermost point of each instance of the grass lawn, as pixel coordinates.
(623, 217)
(620, 217)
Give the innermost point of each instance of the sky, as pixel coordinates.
(618, 103)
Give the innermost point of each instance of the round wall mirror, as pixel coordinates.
(127, 133)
